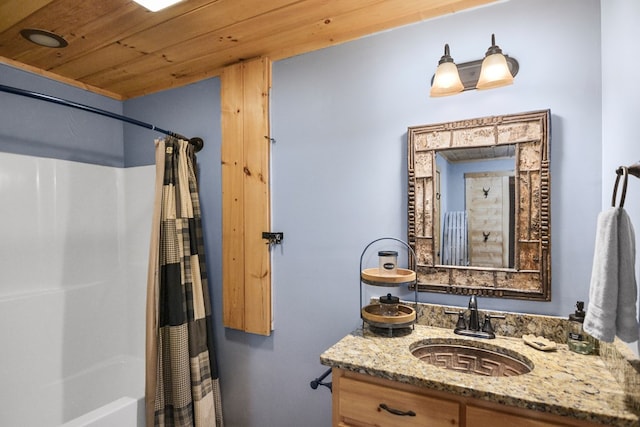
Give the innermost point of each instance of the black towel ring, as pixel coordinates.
(622, 170)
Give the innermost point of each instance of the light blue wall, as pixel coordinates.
(191, 111)
(38, 128)
(620, 95)
(338, 167)
(620, 106)
(339, 117)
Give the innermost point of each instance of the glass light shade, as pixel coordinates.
(44, 40)
(156, 5)
(494, 73)
(446, 80)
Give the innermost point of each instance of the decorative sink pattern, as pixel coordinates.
(471, 357)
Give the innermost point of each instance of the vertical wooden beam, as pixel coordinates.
(232, 157)
(257, 215)
(245, 196)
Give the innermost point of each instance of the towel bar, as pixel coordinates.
(624, 171)
(318, 381)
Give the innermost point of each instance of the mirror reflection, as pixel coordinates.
(476, 206)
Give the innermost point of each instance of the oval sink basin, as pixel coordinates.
(472, 357)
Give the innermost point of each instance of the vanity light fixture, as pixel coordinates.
(446, 81)
(156, 5)
(43, 38)
(495, 70)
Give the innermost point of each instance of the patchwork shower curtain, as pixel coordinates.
(182, 387)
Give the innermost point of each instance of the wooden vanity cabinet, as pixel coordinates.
(360, 400)
(481, 417)
(366, 404)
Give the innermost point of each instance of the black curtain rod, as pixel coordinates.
(197, 142)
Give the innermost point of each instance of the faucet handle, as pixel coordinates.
(461, 323)
(487, 326)
(495, 316)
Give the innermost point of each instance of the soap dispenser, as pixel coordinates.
(577, 339)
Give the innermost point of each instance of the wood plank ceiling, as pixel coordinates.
(119, 49)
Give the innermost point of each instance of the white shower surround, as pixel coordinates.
(72, 287)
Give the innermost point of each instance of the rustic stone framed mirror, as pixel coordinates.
(479, 206)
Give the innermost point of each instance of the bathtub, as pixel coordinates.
(62, 365)
(108, 396)
(73, 291)
(123, 412)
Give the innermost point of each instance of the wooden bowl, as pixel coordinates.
(373, 276)
(372, 313)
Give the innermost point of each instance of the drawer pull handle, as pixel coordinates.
(397, 411)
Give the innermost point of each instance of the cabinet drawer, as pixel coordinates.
(360, 404)
(480, 417)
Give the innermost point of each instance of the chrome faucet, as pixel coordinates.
(472, 328)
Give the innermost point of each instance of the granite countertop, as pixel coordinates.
(562, 382)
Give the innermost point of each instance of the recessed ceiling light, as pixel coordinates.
(43, 38)
(156, 5)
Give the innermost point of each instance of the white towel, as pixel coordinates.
(613, 290)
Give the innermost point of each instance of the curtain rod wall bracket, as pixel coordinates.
(197, 142)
